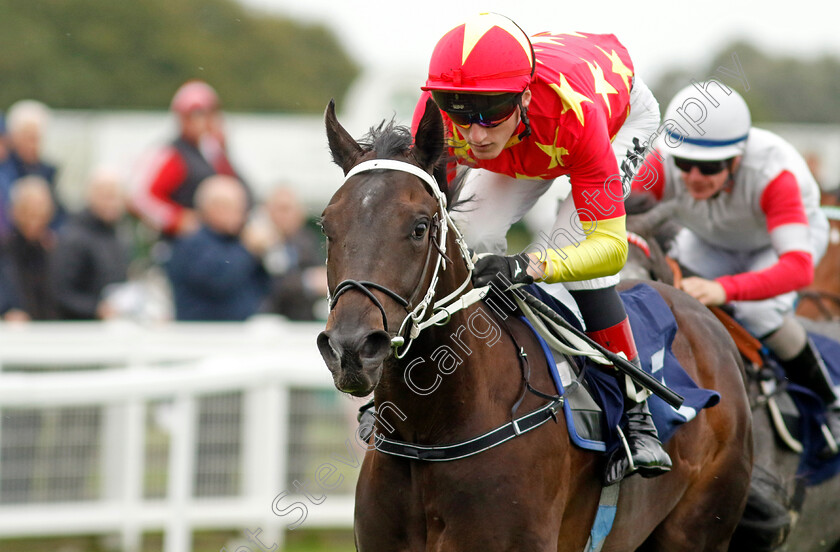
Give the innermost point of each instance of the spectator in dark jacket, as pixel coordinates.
(25, 283)
(90, 254)
(164, 195)
(295, 261)
(214, 276)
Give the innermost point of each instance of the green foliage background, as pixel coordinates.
(783, 89)
(135, 53)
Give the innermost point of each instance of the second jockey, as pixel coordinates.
(753, 228)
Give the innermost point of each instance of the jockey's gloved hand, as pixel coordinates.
(502, 271)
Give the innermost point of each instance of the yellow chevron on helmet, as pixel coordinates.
(476, 28)
(488, 53)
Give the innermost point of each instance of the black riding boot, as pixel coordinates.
(641, 439)
(808, 370)
(649, 459)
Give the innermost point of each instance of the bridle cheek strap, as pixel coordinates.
(411, 324)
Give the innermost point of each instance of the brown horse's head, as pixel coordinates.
(649, 227)
(381, 227)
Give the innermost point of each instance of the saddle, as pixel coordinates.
(790, 406)
(787, 420)
(594, 399)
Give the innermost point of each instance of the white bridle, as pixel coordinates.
(455, 301)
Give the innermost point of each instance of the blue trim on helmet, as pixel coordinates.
(705, 143)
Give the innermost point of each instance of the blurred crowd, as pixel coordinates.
(184, 237)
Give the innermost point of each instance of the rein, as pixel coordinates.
(637, 240)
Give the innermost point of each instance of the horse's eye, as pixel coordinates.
(420, 230)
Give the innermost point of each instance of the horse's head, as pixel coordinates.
(385, 228)
(649, 227)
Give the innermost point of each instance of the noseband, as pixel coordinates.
(413, 322)
(365, 287)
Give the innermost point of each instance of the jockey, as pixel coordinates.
(753, 230)
(521, 112)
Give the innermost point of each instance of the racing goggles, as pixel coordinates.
(485, 110)
(706, 168)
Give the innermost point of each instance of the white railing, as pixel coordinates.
(121, 368)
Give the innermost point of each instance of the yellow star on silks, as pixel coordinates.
(570, 98)
(545, 38)
(602, 86)
(459, 145)
(512, 141)
(478, 27)
(552, 150)
(618, 67)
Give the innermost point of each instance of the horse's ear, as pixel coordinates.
(344, 149)
(428, 142)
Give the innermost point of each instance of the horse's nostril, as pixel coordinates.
(375, 346)
(326, 348)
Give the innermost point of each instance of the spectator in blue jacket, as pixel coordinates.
(215, 276)
(4, 139)
(26, 123)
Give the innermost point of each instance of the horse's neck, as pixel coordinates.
(451, 378)
(825, 277)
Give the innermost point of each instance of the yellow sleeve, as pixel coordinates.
(602, 253)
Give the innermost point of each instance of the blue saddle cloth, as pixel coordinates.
(812, 468)
(654, 328)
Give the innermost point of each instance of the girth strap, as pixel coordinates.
(457, 451)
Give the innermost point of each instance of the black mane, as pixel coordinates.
(387, 140)
(391, 140)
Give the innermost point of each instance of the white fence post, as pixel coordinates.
(133, 469)
(178, 535)
(265, 421)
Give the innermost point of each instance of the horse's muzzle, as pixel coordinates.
(355, 359)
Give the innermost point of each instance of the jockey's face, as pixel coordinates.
(487, 143)
(704, 186)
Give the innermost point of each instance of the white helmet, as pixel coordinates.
(705, 122)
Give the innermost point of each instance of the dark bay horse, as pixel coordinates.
(440, 378)
(807, 526)
(821, 300)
